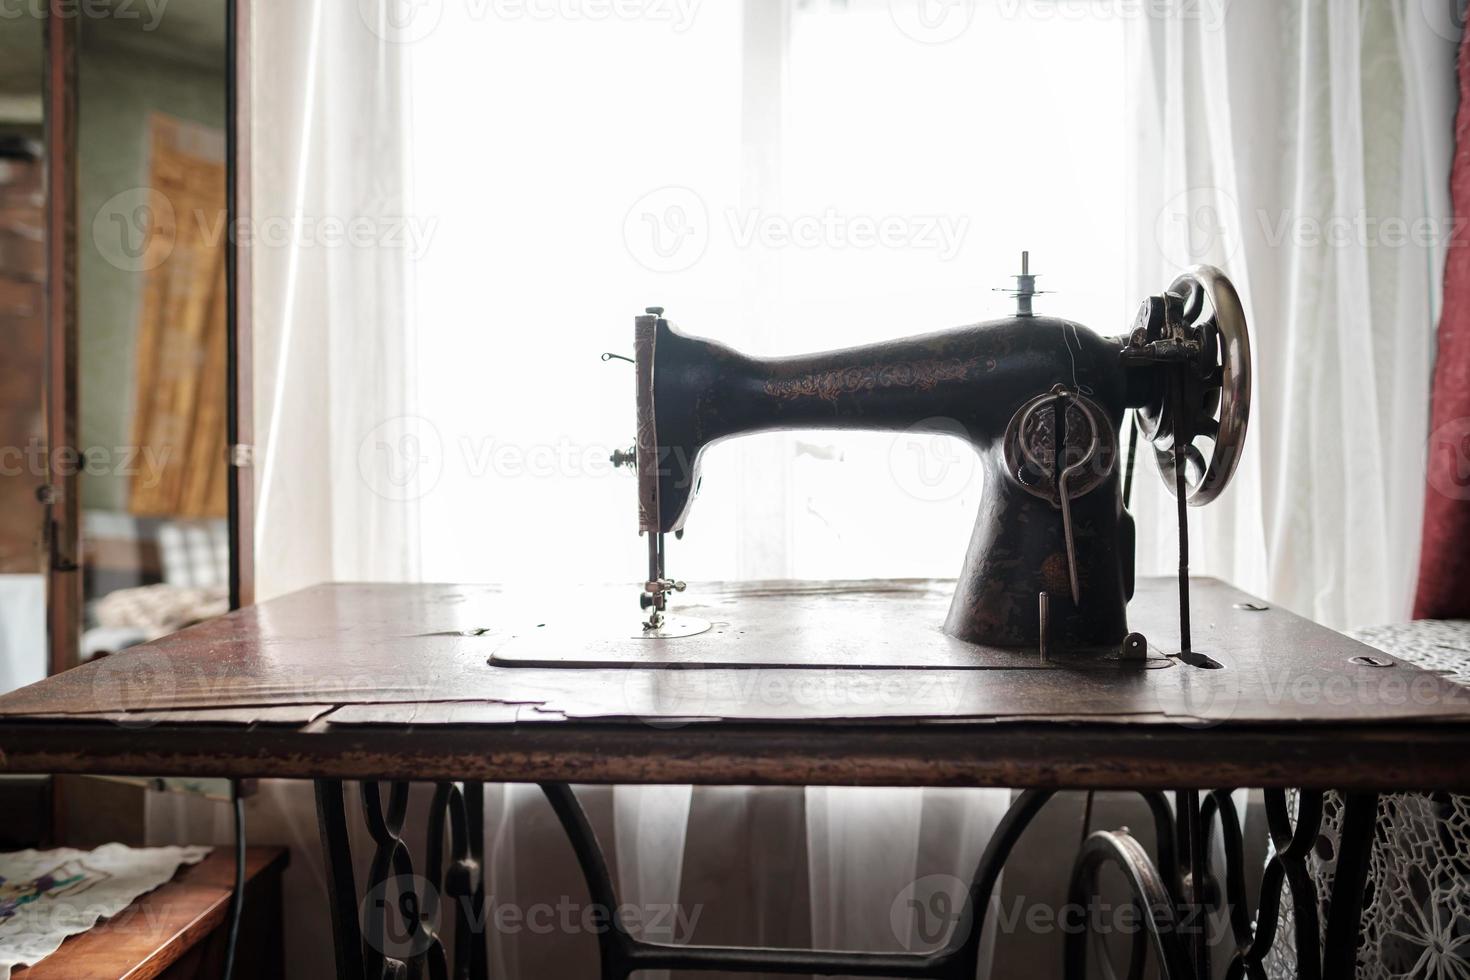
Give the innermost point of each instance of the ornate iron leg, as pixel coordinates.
(1192, 845)
(331, 813)
(1345, 914)
(391, 931)
(1160, 890)
(1218, 805)
(474, 801)
(956, 960)
(1329, 951)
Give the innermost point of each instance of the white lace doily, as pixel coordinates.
(1416, 905)
(46, 896)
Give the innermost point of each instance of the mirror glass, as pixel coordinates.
(23, 325)
(152, 304)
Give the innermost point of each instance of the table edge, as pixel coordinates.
(1077, 755)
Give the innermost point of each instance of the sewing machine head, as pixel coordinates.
(1042, 400)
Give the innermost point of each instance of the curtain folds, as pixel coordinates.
(333, 352)
(347, 464)
(1304, 147)
(1260, 138)
(335, 338)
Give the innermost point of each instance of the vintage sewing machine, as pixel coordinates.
(1043, 400)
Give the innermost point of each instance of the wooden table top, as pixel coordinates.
(796, 683)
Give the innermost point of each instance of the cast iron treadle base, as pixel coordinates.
(391, 931)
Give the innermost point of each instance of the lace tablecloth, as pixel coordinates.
(1416, 909)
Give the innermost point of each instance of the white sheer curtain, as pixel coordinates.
(334, 317)
(333, 356)
(432, 406)
(333, 351)
(1305, 147)
(721, 165)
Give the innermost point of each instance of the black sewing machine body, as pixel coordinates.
(1010, 385)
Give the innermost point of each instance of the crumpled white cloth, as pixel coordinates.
(46, 896)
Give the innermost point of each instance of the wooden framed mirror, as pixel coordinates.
(125, 398)
(126, 489)
(24, 260)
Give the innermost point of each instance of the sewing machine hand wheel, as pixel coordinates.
(1197, 331)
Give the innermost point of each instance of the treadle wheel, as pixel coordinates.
(1150, 896)
(1199, 326)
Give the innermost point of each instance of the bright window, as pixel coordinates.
(842, 176)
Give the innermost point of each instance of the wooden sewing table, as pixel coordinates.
(795, 684)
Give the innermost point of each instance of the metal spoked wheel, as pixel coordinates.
(1209, 398)
(1149, 895)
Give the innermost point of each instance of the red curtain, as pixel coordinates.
(1444, 568)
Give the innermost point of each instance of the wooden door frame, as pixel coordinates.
(63, 511)
(240, 411)
(63, 504)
